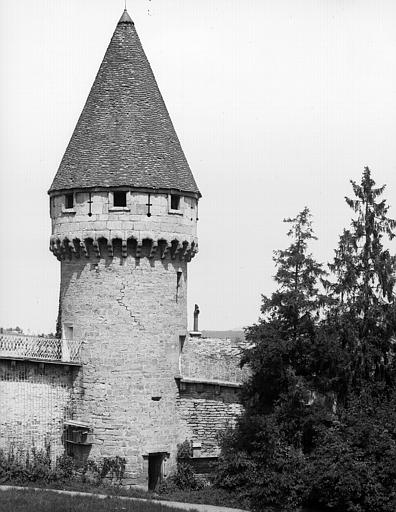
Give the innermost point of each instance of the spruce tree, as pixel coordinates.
(278, 343)
(364, 314)
(264, 455)
(318, 427)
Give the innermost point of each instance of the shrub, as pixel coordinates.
(113, 469)
(36, 466)
(20, 467)
(184, 450)
(184, 477)
(264, 478)
(354, 465)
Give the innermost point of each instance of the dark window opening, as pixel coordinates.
(69, 201)
(182, 340)
(175, 202)
(120, 199)
(178, 283)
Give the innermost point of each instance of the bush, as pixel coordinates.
(20, 467)
(267, 472)
(350, 468)
(354, 465)
(36, 466)
(184, 477)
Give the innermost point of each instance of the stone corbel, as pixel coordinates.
(164, 249)
(153, 248)
(110, 248)
(84, 248)
(124, 248)
(183, 249)
(175, 248)
(96, 248)
(76, 245)
(139, 247)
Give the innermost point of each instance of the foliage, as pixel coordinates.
(184, 477)
(184, 450)
(364, 271)
(290, 361)
(113, 468)
(354, 465)
(36, 466)
(21, 467)
(319, 421)
(266, 470)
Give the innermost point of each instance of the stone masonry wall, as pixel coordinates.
(123, 222)
(35, 399)
(130, 314)
(212, 359)
(210, 378)
(208, 410)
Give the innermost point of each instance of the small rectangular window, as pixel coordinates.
(175, 202)
(178, 283)
(182, 340)
(67, 332)
(69, 201)
(119, 199)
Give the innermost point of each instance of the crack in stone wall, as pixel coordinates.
(121, 302)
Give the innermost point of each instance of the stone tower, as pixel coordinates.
(124, 213)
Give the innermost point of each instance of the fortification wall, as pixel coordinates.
(35, 399)
(140, 392)
(210, 379)
(130, 313)
(208, 410)
(213, 359)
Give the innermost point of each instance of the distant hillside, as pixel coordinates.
(232, 335)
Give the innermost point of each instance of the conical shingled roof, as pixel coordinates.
(124, 136)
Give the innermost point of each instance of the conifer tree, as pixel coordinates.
(265, 453)
(364, 314)
(318, 427)
(289, 317)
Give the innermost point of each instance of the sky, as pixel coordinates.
(277, 104)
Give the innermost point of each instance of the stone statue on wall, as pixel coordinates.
(196, 314)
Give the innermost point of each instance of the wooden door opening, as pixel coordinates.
(155, 470)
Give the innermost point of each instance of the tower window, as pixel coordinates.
(67, 331)
(182, 340)
(175, 202)
(69, 201)
(120, 199)
(178, 283)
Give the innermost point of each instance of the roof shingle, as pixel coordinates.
(124, 136)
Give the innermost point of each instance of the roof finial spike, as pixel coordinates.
(125, 1)
(125, 18)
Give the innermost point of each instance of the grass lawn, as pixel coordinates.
(43, 501)
(207, 495)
